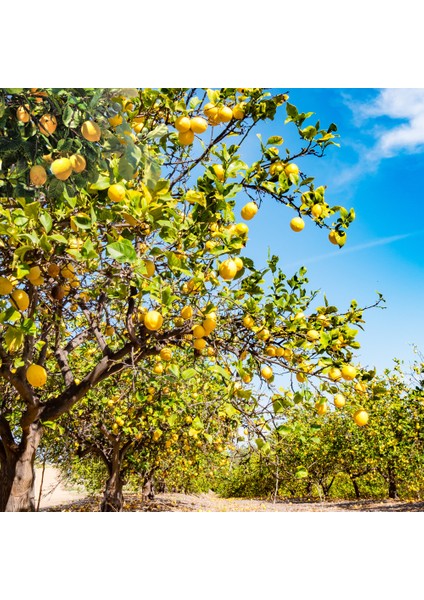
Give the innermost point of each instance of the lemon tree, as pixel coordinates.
(173, 427)
(126, 221)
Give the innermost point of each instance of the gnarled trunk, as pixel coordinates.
(22, 475)
(7, 473)
(113, 497)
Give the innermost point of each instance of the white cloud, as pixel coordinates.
(405, 134)
(405, 104)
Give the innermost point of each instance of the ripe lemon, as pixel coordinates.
(249, 210)
(239, 263)
(186, 138)
(334, 374)
(109, 331)
(38, 175)
(186, 312)
(241, 229)
(68, 272)
(22, 114)
(20, 299)
(316, 210)
(36, 376)
(219, 172)
(78, 163)
(225, 114)
(322, 408)
(182, 124)
(199, 343)
(115, 120)
(166, 354)
(47, 124)
(339, 401)
(153, 320)
(361, 417)
(150, 267)
(61, 168)
(291, 169)
(348, 372)
(263, 334)
(198, 124)
(158, 368)
(297, 224)
(248, 321)
(199, 331)
(228, 269)
(211, 111)
(209, 325)
(332, 236)
(313, 335)
(266, 372)
(270, 351)
(276, 168)
(238, 111)
(116, 192)
(91, 131)
(34, 273)
(301, 377)
(5, 286)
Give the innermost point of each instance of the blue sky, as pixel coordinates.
(377, 171)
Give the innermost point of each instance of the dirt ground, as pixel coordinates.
(54, 491)
(57, 497)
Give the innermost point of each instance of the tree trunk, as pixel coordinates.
(7, 472)
(356, 488)
(148, 491)
(21, 496)
(393, 494)
(113, 497)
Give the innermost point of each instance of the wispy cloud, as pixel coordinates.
(358, 248)
(390, 139)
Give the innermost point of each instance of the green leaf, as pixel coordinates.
(174, 370)
(188, 374)
(122, 252)
(275, 140)
(46, 221)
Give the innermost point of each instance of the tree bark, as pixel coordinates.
(356, 488)
(21, 496)
(7, 472)
(113, 497)
(393, 494)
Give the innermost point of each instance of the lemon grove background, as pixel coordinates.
(255, 555)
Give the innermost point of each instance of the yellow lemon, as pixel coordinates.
(36, 376)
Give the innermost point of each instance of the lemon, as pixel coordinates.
(297, 224)
(153, 320)
(90, 131)
(36, 376)
(198, 124)
(249, 210)
(78, 163)
(228, 269)
(116, 192)
(361, 417)
(266, 372)
(5, 286)
(47, 124)
(186, 138)
(61, 168)
(182, 124)
(38, 175)
(20, 299)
